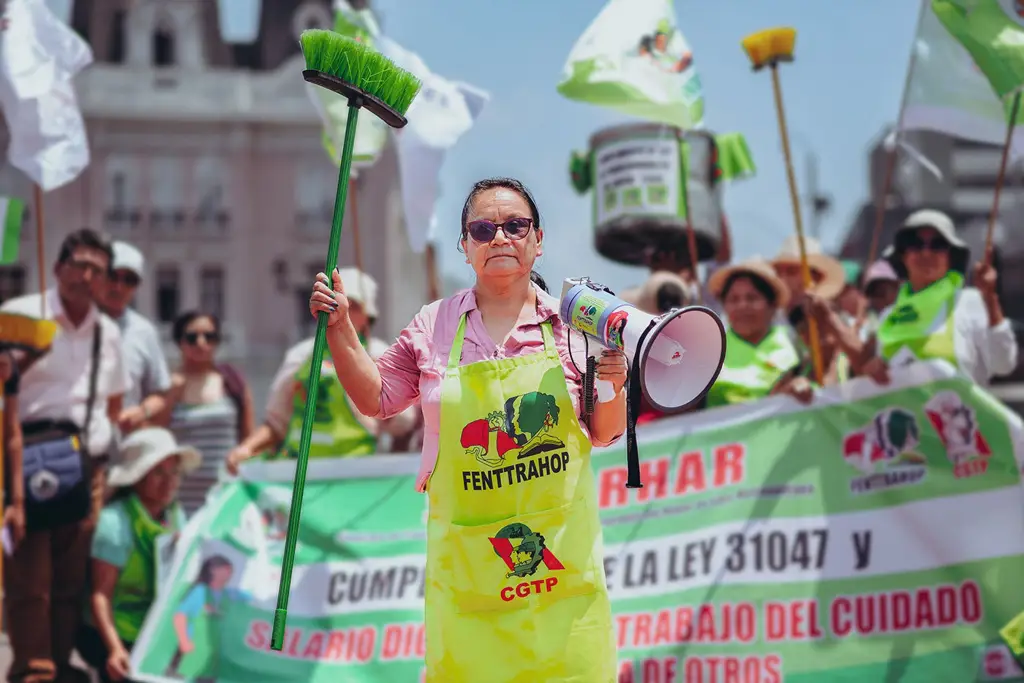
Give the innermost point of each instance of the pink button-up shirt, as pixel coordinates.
(413, 367)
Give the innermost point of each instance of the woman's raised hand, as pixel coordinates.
(328, 299)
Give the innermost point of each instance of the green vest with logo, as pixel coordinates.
(336, 430)
(922, 322)
(135, 589)
(750, 371)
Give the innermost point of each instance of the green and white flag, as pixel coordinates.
(634, 59)
(371, 132)
(13, 211)
(735, 162)
(992, 31)
(947, 92)
(876, 535)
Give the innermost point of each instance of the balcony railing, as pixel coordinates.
(175, 224)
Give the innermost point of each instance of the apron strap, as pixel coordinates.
(455, 355)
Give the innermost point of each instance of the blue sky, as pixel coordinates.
(844, 86)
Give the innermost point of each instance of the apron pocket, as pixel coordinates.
(526, 560)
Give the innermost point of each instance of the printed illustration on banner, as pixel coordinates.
(667, 50)
(998, 664)
(521, 431)
(884, 451)
(523, 551)
(957, 427)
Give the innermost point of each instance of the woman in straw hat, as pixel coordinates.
(827, 274)
(758, 353)
(936, 317)
(143, 508)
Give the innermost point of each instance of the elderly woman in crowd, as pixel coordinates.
(506, 455)
(827, 274)
(759, 354)
(339, 429)
(143, 508)
(935, 316)
(881, 285)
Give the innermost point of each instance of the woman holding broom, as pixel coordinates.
(514, 552)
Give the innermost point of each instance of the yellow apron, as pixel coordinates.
(515, 561)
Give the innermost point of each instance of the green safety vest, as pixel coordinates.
(750, 371)
(922, 321)
(135, 589)
(336, 430)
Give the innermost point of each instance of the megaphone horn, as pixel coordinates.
(679, 353)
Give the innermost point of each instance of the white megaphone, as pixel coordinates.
(676, 356)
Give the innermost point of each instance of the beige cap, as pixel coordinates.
(361, 288)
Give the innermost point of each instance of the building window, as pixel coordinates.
(167, 194)
(210, 188)
(12, 282)
(163, 43)
(305, 323)
(211, 290)
(121, 201)
(315, 187)
(168, 293)
(118, 29)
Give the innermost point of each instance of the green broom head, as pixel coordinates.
(355, 70)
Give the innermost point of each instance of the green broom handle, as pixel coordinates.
(295, 514)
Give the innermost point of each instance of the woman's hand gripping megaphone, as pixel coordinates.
(611, 369)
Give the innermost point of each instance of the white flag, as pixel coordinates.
(39, 57)
(442, 113)
(948, 93)
(634, 59)
(239, 20)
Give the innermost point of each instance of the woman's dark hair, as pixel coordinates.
(508, 184)
(210, 565)
(536, 279)
(760, 284)
(234, 383)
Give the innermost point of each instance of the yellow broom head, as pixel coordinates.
(23, 332)
(770, 46)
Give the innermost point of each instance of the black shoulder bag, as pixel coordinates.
(57, 465)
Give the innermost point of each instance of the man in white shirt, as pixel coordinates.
(144, 354)
(45, 577)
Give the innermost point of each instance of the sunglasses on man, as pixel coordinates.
(128, 279)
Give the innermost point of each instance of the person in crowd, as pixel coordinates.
(74, 389)
(935, 316)
(759, 353)
(144, 354)
(13, 508)
(338, 428)
(835, 361)
(851, 302)
(123, 574)
(210, 403)
(881, 285)
(502, 401)
(827, 273)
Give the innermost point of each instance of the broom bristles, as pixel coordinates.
(359, 65)
(20, 331)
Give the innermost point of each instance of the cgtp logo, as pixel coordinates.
(523, 551)
(957, 427)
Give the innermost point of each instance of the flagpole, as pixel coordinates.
(893, 154)
(1010, 126)
(691, 236)
(433, 285)
(37, 201)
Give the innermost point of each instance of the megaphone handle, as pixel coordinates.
(634, 392)
(588, 385)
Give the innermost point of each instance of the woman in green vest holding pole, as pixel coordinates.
(143, 508)
(338, 429)
(759, 354)
(937, 317)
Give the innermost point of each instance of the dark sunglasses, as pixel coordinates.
(915, 243)
(130, 279)
(193, 337)
(514, 229)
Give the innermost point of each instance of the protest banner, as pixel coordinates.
(877, 534)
